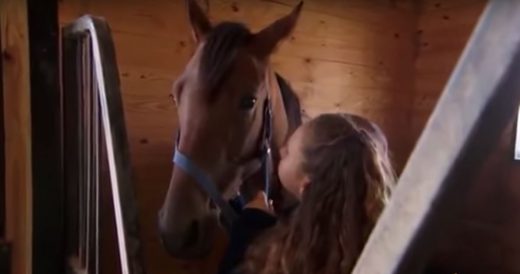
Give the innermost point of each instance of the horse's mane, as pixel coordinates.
(294, 118)
(219, 53)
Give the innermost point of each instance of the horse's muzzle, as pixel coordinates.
(195, 242)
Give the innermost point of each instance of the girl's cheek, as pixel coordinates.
(283, 152)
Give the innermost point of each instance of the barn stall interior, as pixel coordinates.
(386, 60)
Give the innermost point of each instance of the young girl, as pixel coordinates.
(338, 167)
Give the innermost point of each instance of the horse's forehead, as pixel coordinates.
(247, 65)
(243, 77)
(244, 64)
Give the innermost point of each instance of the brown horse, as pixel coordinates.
(221, 99)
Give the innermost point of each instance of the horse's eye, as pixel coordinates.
(247, 102)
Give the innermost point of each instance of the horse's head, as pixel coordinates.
(220, 100)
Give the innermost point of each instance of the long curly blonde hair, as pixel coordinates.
(346, 159)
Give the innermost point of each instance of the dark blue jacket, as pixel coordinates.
(250, 224)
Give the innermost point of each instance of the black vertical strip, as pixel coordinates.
(71, 141)
(48, 193)
(2, 155)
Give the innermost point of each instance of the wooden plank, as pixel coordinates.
(442, 33)
(17, 122)
(476, 106)
(365, 18)
(445, 5)
(484, 237)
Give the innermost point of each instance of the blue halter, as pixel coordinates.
(206, 183)
(209, 186)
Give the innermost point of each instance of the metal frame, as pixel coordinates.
(517, 141)
(479, 101)
(2, 154)
(5, 252)
(106, 78)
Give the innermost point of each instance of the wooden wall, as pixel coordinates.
(484, 236)
(443, 29)
(352, 56)
(17, 126)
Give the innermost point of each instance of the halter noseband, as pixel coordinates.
(209, 186)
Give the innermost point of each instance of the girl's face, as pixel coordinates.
(290, 169)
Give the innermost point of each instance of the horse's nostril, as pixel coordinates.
(193, 234)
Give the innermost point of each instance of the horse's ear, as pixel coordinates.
(265, 41)
(200, 24)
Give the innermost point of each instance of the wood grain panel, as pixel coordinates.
(484, 239)
(17, 123)
(443, 29)
(428, 6)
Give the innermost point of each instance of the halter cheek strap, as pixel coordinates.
(267, 161)
(207, 185)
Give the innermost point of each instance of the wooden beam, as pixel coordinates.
(479, 100)
(48, 188)
(17, 122)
